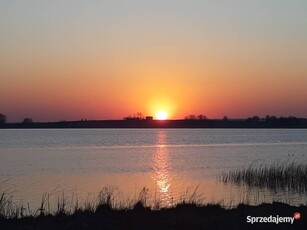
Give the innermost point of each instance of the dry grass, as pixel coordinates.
(108, 199)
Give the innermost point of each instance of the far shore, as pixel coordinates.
(255, 122)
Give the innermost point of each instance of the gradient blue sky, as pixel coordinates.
(107, 59)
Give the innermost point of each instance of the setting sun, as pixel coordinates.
(161, 115)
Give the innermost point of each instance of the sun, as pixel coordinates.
(161, 115)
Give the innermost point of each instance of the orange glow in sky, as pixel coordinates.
(105, 60)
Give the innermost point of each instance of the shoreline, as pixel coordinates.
(286, 123)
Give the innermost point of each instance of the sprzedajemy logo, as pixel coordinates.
(273, 219)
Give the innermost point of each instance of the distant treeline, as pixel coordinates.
(252, 122)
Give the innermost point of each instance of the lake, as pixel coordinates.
(171, 163)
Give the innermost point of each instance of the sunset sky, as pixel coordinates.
(67, 60)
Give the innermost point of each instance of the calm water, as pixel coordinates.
(167, 161)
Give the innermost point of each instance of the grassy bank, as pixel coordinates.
(107, 213)
(182, 216)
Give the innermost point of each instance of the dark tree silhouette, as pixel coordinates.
(140, 115)
(190, 117)
(254, 119)
(270, 118)
(201, 117)
(135, 116)
(2, 119)
(27, 121)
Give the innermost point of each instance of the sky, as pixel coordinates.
(96, 59)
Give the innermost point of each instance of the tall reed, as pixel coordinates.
(289, 176)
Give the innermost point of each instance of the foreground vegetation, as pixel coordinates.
(107, 213)
(278, 176)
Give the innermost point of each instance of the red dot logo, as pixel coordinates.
(297, 215)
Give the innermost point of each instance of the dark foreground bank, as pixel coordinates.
(183, 216)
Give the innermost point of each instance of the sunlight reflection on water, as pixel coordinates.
(162, 167)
